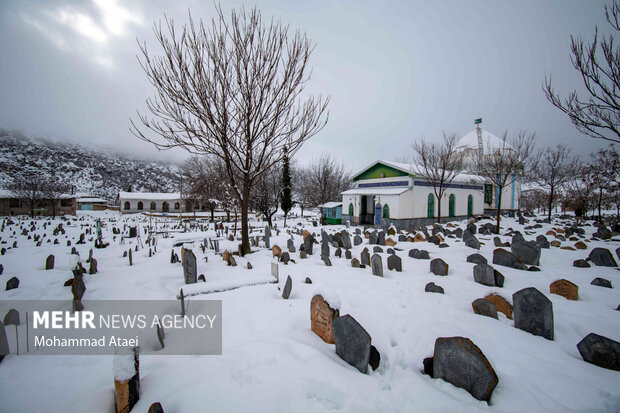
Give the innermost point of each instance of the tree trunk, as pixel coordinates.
(245, 237)
(235, 228)
(550, 203)
(285, 214)
(439, 210)
(302, 211)
(228, 214)
(600, 201)
(212, 214)
(499, 210)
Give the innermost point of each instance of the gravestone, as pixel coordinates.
(377, 265)
(365, 257)
(439, 267)
(357, 240)
(355, 263)
(12, 283)
(308, 244)
(324, 250)
(433, 288)
(285, 257)
(484, 274)
(321, 317)
(92, 266)
(501, 304)
(394, 263)
(381, 238)
(202, 278)
(565, 288)
(49, 262)
(542, 242)
(533, 312)
(527, 253)
(275, 270)
(267, 235)
(476, 259)
(130, 257)
(484, 307)
(12, 318)
(602, 257)
(581, 264)
(601, 282)
(598, 350)
(126, 381)
(287, 288)
(290, 245)
(338, 252)
(190, 272)
(161, 335)
(377, 249)
(352, 342)
(156, 408)
(345, 240)
(327, 261)
(507, 259)
(459, 361)
(4, 342)
(347, 254)
(373, 238)
(78, 288)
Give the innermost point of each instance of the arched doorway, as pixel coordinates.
(140, 206)
(126, 206)
(451, 206)
(470, 205)
(386, 211)
(351, 209)
(430, 206)
(153, 206)
(164, 207)
(177, 206)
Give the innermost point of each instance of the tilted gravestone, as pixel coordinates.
(347, 254)
(92, 266)
(601, 282)
(161, 335)
(602, 257)
(12, 283)
(275, 270)
(526, 252)
(352, 342)
(459, 361)
(156, 408)
(600, 351)
(12, 318)
(288, 286)
(533, 312)
(49, 262)
(365, 257)
(130, 257)
(395, 263)
(477, 259)
(327, 261)
(325, 249)
(507, 259)
(355, 263)
(484, 307)
(484, 274)
(376, 264)
(290, 245)
(308, 244)
(190, 272)
(357, 240)
(321, 317)
(433, 288)
(501, 304)
(564, 288)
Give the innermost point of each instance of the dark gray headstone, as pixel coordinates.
(373, 239)
(602, 257)
(581, 264)
(327, 261)
(347, 254)
(4, 342)
(517, 237)
(472, 242)
(290, 245)
(345, 240)
(357, 240)
(190, 272)
(484, 307)
(78, 288)
(12, 318)
(286, 293)
(507, 259)
(394, 263)
(325, 249)
(499, 277)
(533, 312)
(352, 342)
(92, 266)
(526, 252)
(476, 259)
(365, 257)
(355, 263)
(439, 267)
(601, 282)
(375, 358)
(49, 262)
(161, 335)
(542, 242)
(600, 351)
(433, 288)
(484, 274)
(377, 265)
(12, 283)
(381, 238)
(377, 249)
(156, 408)
(459, 361)
(308, 244)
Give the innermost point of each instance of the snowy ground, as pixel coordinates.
(273, 362)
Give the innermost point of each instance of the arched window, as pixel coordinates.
(451, 202)
(126, 206)
(164, 207)
(386, 211)
(153, 206)
(351, 209)
(140, 206)
(430, 206)
(470, 205)
(177, 205)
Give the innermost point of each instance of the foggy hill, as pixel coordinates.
(99, 172)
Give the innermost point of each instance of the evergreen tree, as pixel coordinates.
(286, 202)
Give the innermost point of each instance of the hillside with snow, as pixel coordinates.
(100, 172)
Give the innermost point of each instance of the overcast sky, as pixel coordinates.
(395, 71)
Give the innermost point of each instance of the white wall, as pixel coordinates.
(133, 203)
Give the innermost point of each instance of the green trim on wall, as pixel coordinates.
(334, 221)
(376, 170)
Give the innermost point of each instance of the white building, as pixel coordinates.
(132, 202)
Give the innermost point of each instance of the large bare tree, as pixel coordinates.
(438, 163)
(323, 180)
(267, 193)
(598, 63)
(232, 88)
(553, 167)
(29, 190)
(504, 164)
(54, 191)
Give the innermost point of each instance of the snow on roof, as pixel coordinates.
(92, 199)
(330, 205)
(5, 193)
(411, 168)
(376, 191)
(489, 141)
(156, 196)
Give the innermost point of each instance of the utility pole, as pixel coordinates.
(180, 201)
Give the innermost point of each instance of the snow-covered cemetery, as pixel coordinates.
(279, 261)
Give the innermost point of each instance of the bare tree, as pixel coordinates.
(204, 183)
(54, 191)
(553, 167)
(503, 165)
(603, 171)
(579, 191)
(438, 163)
(232, 89)
(598, 63)
(28, 190)
(324, 180)
(266, 194)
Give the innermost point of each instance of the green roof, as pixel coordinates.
(379, 170)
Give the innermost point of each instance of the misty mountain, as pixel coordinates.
(99, 172)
